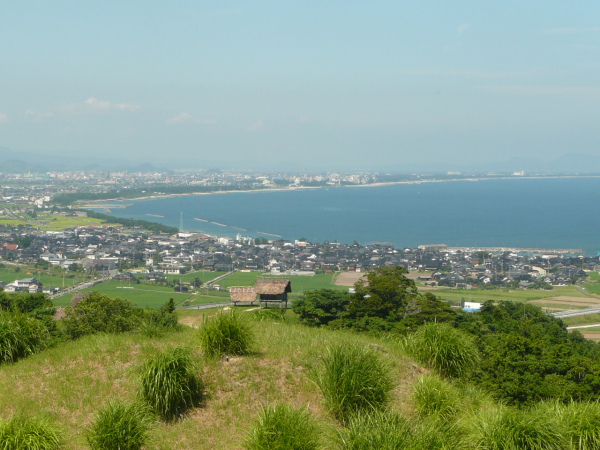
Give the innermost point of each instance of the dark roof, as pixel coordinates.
(272, 286)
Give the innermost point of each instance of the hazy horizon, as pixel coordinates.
(341, 86)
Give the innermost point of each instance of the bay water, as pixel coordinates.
(530, 213)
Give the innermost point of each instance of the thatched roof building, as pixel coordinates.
(268, 290)
(244, 294)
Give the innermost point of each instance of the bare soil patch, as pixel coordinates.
(595, 335)
(549, 301)
(574, 299)
(348, 278)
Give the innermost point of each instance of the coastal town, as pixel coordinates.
(138, 254)
(33, 208)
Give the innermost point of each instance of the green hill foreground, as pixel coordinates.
(69, 383)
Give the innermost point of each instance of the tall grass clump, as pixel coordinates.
(226, 333)
(283, 427)
(580, 423)
(510, 429)
(353, 379)
(170, 383)
(120, 426)
(439, 433)
(439, 346)
(265, 314)
(28, 433)
(21, 336)
(435, 397)
(376, 430)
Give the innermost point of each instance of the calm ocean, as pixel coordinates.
(541, 213)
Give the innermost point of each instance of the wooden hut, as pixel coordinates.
(242, 294)
(273, 290)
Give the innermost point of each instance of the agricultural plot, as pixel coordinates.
(139, 294)
(559, 294)
(47, 278)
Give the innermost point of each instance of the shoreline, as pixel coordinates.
(99, 203)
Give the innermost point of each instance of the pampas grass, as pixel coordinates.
(449, 351)
(283, 427)
(353, 379)
(510, 429)
(226, 333)
(376, 430)
(170, 383)
(21, 336)
(120, 426)
(435, 397)
(21, 433)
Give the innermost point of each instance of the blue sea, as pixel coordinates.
(532, 213)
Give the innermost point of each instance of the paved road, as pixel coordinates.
(207, 305)
(576, 312)
(574, 327)
(84, 285)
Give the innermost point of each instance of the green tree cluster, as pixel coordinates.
(529, 356)
(386, 301)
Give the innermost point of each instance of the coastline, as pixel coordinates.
(516, 221)
(100, 203)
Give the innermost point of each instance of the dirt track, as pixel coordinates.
(348, 278)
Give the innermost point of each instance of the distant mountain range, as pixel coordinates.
(22, 162)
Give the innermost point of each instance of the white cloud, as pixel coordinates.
(185, 117)
(88, 106)
(3, 117)
(256, 126)
(461, 28)
(95, 104)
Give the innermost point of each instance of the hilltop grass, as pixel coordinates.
(66, 381)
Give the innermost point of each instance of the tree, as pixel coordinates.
(385, 294)
(321, 306)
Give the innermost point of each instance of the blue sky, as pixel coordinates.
(349, 85)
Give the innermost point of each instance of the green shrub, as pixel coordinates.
(435, 397)
(98, 313)
(21, 336)
(376, 430)
(226, 333)
(21, 433)
(510, 429)
(449, 351)
(353, 379)
(283, 427)
(170, 383)
(119, 426)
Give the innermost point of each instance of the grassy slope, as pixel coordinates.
(69, 383)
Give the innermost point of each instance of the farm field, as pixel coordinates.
(593, 284)
(139, 294)
(8, 275)
(557, 295)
